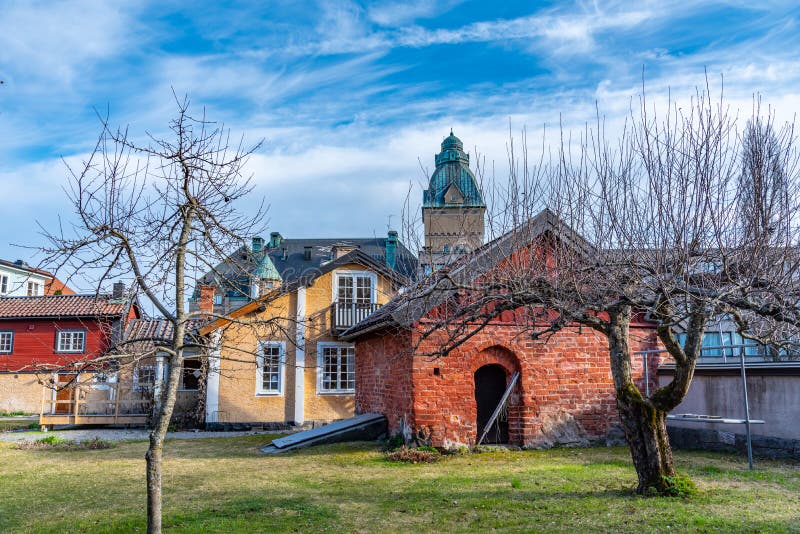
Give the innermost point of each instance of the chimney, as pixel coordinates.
(118, 290)
(391, 249)
(307, 253)
(206, 299)
(257, 244)
(275, 239)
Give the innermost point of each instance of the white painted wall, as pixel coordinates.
(17, 284)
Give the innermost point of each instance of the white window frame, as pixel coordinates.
(10, 342)
(281, 346)
(321, 346)
(148, 386)
(367, 274)
(82, 349)
(33, 288)
(3, 284)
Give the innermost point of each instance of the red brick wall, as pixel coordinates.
(565, 394)
(383, 377)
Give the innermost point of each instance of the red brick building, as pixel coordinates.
(564, 394)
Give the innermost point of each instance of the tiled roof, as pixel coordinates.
(61, 306)
(144, 334)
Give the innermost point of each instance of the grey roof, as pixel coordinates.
(288, 257)
(409, 306)
(143, 335)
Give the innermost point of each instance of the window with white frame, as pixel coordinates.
(144, 378)
(336, 368)
(269, 374)
(355, 287)
(70, 341)
(34, 289)
(3, 284)
(6, 342)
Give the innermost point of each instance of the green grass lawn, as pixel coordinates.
(226, 485)
(23, 424)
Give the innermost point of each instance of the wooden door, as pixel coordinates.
(65, 394)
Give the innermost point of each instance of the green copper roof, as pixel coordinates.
(266, 270)
(452, 168)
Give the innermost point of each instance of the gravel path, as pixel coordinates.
(120, 434)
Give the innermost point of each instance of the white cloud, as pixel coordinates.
(393, 13)
(567, 33)
(54, 41)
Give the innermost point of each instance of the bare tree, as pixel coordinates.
(764, 189)
(160, 212)
(644, 225)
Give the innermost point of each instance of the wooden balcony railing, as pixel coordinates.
(347, 314)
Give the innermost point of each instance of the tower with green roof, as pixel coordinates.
(453, 209)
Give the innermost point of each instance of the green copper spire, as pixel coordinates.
(266, 270)
(452, 174)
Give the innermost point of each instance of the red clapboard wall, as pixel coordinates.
(34, 343)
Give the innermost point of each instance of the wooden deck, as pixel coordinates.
(70, 406)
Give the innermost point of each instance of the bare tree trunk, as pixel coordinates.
(153, 457)
(646, 432)
(154, 453)
(644, 425)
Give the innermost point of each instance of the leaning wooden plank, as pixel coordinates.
(500, 405)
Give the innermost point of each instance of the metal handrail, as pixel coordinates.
(745, 401)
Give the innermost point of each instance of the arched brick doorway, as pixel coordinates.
(498, 359)
(490, 384)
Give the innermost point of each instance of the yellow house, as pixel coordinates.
(278, 358)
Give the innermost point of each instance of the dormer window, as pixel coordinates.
(34, 289)
(453, 195)
(354, 287)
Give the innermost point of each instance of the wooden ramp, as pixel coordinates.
(367, 426)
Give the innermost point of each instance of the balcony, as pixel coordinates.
(347, 314)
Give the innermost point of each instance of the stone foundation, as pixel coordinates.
(727, 441)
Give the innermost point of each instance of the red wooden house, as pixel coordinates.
(563, 393)
(53, 339)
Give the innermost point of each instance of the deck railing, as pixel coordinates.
(347, 314)
(115, 406)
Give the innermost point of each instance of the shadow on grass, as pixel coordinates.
(259, 514)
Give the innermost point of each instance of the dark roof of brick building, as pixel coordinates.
(410, 305)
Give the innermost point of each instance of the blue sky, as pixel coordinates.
(353, 98)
